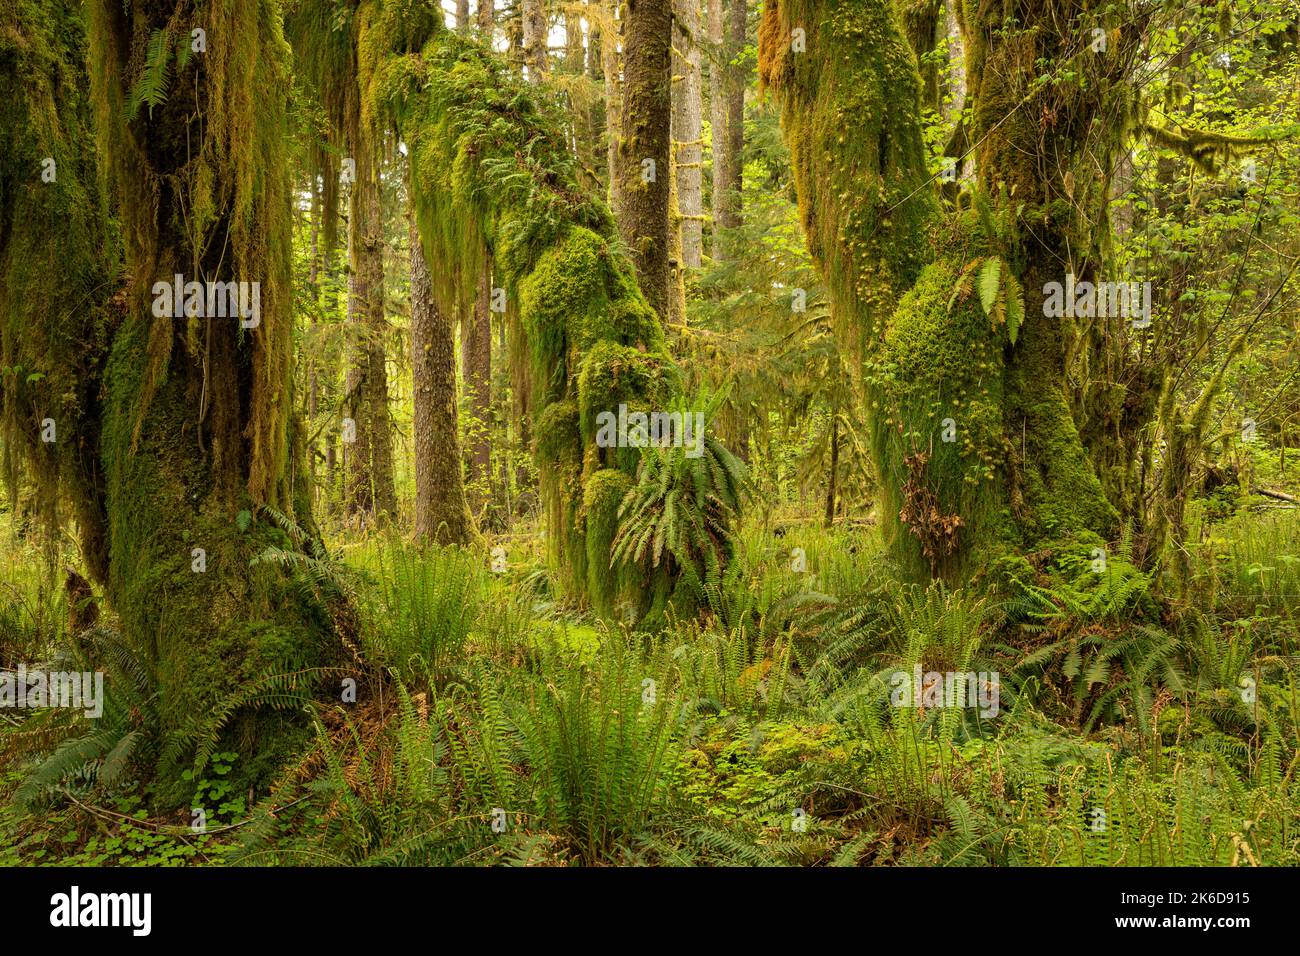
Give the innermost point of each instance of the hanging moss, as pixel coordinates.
(1016, 474)
(194, 413)
(491, 166)
(849, 112)
(59, 256)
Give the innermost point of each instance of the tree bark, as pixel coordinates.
(369, 492)
(596, 110)
(643, 165)
(833, 470)
(610, 64)
(441, 512)
(728, 120)
(182, 438)
(687, 130)
(717, 120)
(534, 38)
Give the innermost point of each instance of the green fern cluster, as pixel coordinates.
(421, 608)
(90, 755)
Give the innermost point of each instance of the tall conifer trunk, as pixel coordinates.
(369, 487)
(643, 167)
(441, 513)
(687, 129)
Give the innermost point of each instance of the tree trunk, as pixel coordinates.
(729, 119)
(973, 439)
(596, 117)
(441, 513)
(369, 482)
(833, 470)
(183, 433)
(717, 119)
(476, 367)
(313, 283)
(610, 64)
(687, 129)
(534, 38)
(581, 100)
(924, 21)
(574, 55)
(1049, 172)
(643, 167)
(486, 19)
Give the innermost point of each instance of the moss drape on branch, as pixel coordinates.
(178, 427)
(491, 167)
(972, 436)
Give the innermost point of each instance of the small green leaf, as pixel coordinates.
(989, 282)
(1015, 307)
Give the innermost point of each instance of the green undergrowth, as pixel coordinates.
(493, 725)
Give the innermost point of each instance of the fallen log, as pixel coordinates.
(1278, 495)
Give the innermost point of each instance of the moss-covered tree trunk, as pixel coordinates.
(185, 407)
(441, 511)
(534, 25)
(369, 489)
(976, 450)
(1048, 149)
(57, 251)
(643, 166)
(924, 21)
(476, 369)
(492, 165)
(727, 27)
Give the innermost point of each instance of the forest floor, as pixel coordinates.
(1100, 718)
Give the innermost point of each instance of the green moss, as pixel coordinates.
(188, 445)
(1059, 485)
(579, 286)
(58, 254)
(559, 440)
(940, 377)
(1016, 475)
(603, 492)
(559, 459)
(611, 375)
(492, 168)
(851, 117)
